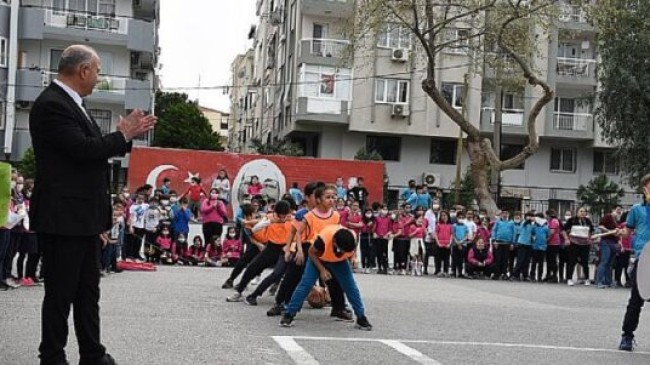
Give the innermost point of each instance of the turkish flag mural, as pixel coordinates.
(149, 165)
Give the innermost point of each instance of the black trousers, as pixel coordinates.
(401, 248)
(29, 270)
(552, 253)
(381, 253)
(135, 243)
(210, 230)
(524, 253)
(622, 261)
(475, 270)
(367, 251)
(266, 258)
(457, 260)
(537, 268)
(633, 312)
(577, 253)
(442, 260)
(501, 254)
(563, 259)
(430, 250)
(12, 249)
(273, 278)
(513, 253)
(244, 260)
(71, 267)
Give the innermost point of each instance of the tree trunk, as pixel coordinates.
(479, 173)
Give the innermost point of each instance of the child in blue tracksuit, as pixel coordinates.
(502, 234)
(512, 255)
(541, 234)
(524, 247)
(459, 238)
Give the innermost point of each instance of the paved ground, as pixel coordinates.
(179, 316)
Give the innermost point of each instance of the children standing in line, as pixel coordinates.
(443, 238)
(553, 248)
(525, 248)
(541, 235)
(381, 235)
(460, 237)
(402, 241)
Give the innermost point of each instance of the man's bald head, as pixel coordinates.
(74, 57)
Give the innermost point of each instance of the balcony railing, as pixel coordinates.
(105, 83)
(326, 47)
(86, 21)
(572, 121)
(572, 13)
(576, 67)
(509, 117)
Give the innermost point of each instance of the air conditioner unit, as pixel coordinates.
(400, 111)
(399, 55)
(431, 179)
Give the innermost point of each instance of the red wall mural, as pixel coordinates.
(277, 173)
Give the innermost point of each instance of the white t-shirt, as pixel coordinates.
(137, 212)
(471, 228)
(431, 218)
(151, 219)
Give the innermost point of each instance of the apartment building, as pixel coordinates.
(218, 122)
(125, 35)
(311, 90)
(243, 100)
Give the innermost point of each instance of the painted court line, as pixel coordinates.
(471, 343)
(411, 352)
(295, 351)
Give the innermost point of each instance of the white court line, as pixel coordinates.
(472, 343)
(295, 351)
(411, 352)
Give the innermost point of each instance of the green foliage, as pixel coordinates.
(364, 155)
(280, 147)
(27, 166)
(600, 194)
(467, 194)
(182, 125)
(624, 74)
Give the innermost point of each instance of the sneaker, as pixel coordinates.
(273, 289)
(12, 283)
(587, 282)
(255, 281)
(276, 310)
(287, 320)
(363, 324)
(627, 343)
(236, 297)
(227, 285)
(570, 282)
(251, 300)
(343, 316)
(28, 282)
(602, 286)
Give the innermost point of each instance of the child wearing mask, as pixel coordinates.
(180, 247)
(443, 238)
(503, 231)
(416, 234)
(524, 248)
(343, 210)
(479, 259)
(401, 240)
(541, 235)
(381, 235)
(512, 254)
(151, 224)
(232, 248)
(459, 241)
(214, 252)
(193, 194)
(365, 238)
(165, 245)
(195, 254)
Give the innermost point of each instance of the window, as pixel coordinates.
(563, 160)
(4, 52)
(605, 162)
(107, 7)
(395, 36)
(443, 151)
(387, 147)
(224, 123)
(457, 40)
(103, 119)
(392, 91)
(453, 93)
(509, 151)
(324, 82)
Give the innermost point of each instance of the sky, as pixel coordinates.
(200, 38)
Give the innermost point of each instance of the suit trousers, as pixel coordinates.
(71, 265)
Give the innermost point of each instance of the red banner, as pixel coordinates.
(276, 173)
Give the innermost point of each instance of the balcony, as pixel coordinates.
(512, 121)
(109, 89)
(573, 16)
(335, 8)
(329, 52)
(322, 111)
(571, 125)
(67, 25)
(576, 71)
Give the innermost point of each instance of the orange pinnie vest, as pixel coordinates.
(316, 224)
(327, 235)
(275, 233)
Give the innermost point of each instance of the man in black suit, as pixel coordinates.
(70, 204)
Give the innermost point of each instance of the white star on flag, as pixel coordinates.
(190, 176)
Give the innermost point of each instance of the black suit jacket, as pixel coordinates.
(71, 193)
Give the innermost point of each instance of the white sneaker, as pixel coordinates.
(255, 281)
(366, 271)
(570, 282)
(587, 282)
(236, 297)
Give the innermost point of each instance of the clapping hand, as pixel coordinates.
(136, 124)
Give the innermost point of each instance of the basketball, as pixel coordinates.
(317, 298)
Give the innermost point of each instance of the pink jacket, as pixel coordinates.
(232, 248)
(443, 232)
(382, 226)
(345, 215)
(164, 242)
(212, 213)
(473, 260)
(417, 232)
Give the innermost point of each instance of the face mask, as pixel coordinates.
(393, 216)
(20, 187)
(481, 216)
(452, 215)
(540, 221)
(368, 215)
(383, 212)
(231, 235)
(165, 233)
(173, 200)
(567, 217)
(435, 207)
(164, 202)
(125, 195)
(517, 221)
(181, 240)
(340, 207)
(28, 194)
(13, 184)
(214, 196)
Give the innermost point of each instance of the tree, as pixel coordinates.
(364, 155)
(600, 194)
(280, 147)
(182, 125)
(493, 39)
(623, 107)
(27, 166)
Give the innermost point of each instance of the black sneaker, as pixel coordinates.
(276, 310)
(342, 315)
(228, 284)
(363, 324)
(287, 320)
(273, 289)
(627, 343)
(251, 300)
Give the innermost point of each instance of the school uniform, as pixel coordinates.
(524, 250)
(380, 242)
(503, 232)
(460, 233)
(541, 235)
(443, 234)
